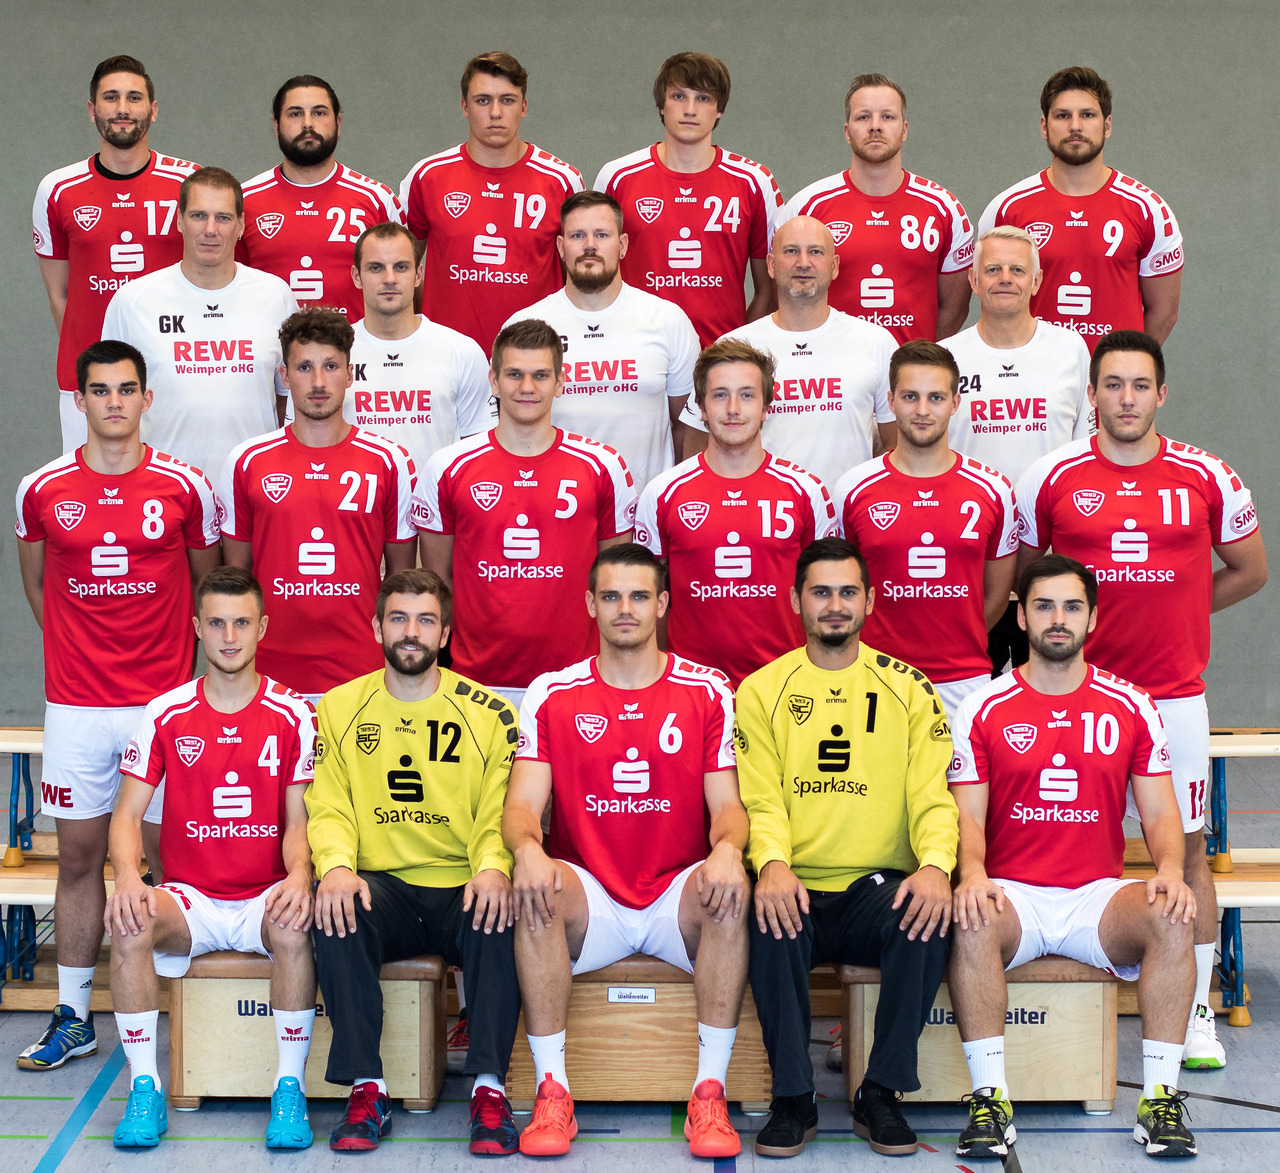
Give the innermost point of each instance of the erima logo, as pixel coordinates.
(317, 472)
(877, 219)
(732, 495)
(1007, 372)
(686, 196)
(1128, 489)
(229, 736)
(1059, 719)
(1077, 220)
(494, 186)
(312, 204)
(923, 495)
(212, 312)
(492, 192)
(136, 1034)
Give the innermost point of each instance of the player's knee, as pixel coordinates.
(290, 942)
(131, 947)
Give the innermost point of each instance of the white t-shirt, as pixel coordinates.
(620, 366)
(1018, 404)
(828, 384)
(213, 358)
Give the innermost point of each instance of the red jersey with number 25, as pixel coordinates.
(1147, 531)
(627, 770)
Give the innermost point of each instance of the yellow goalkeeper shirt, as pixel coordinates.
(414, 789)
(845, 773)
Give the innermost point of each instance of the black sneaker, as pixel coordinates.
(1160, 1129)
(991, 1130)
(877, 1118)
(793, 1121)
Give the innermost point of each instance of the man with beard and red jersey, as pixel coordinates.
(303, 218)
(100, 223)
(486, 209)
(652, 865)
(700, 216)
(1147, 515)
(731, 522)
(904, 241)
(1111, 247)
(628, 355)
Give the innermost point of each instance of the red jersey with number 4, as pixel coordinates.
(306, 235)
(927, 542)
(627, 770)
(1147, 531)
(692, 234)
(225, 776)
(490, 233)
(525, 532)
(1093, 249)
(731, 546)
(1058, 769)
(891, 248)
(117, 581)
(110, 230)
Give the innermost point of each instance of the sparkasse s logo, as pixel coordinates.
(1130, 544)
(684, 253)
(631, 776)
(520, 543)
(489, 249)
(876, 291)
(733, 560)
(1057, 784)
(926, 560)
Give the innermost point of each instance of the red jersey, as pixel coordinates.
(1147, 531)
(224, 776)
(111, 228)
(318, 519)
(692, 234)
(306, 235)
(526, 530)
(927, 542)
(1093, 249)
(117, 582)
(629, 791)
(891, 248)
(731, 546)
(1058, 769)
(490, 233)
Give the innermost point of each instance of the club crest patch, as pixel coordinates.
(650, 208)
(87, 216)
(800, 707)
(591, 726)
(486, 494)
(839, 230)
(367, 737)
(189, 749)
(1040, 232)
(69, 513)
(457, 202)
(269, 223)
(693, 513)
(884, 513)
(276, 486)
(1088, 501)
(1020, 737)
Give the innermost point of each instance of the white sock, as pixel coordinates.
(491, 1081)
(293, 1041)
(548, 1058)
(138, 1038)
(75, 986)
(1204, 975)
(382, 1084)
(1161, 1063)
(715, 1049)
(462, 991)
(986, 1063)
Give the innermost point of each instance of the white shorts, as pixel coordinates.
(214, 924)
(80, 775)
(75, 424)
(615, 931)
(1186, 724)
(954, 691)
(1065, 921)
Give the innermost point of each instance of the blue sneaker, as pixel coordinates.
(145, 1118)
(66, 1037)
(289, 1127)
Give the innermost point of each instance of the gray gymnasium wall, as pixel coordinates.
(1191, 80)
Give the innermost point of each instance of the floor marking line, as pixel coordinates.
(1215, 1099)
(80, 1115)
(37, 1097)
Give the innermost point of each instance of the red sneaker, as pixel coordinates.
(706, 1125)
(493, 1131)
(835, 1053)
(456, 1042)
(553, 1125)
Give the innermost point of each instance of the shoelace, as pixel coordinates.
(458, 1036)
(706, 1116)
(882, 1107)
(487, 1106)
(1168, 1112)
(551, 1113)
(136, 1108)
(982, 1109)
(363, 1110)
(287, 1106)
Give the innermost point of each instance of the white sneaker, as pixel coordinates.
(1202, 1050)
(835, 1053)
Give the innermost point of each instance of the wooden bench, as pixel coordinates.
(222, 1041)
(633, 1035)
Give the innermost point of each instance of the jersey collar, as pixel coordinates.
(1126, 469)
(661, 166)
(520, 162)
(257, 696)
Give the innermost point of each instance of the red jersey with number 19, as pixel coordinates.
(627, 770)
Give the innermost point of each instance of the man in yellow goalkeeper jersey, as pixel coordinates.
(842, 759)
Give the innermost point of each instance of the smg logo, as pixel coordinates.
(733, 560)
(317, 557)
(1075, 300)
(1130, 544)
(306, 281)
(876, 291)
(684, 253)
(926, 560)
(489, 249)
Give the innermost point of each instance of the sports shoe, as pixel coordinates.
(493, 1130)
(706, 1123)
(877, 1118)
(145, 1119)
(457, 1041)
(553, 1125)
(1160, 1129)
(991, 1130)
(835, 1052)
(365, 1122)
(1202, 1051)
(66, 1037)
(290, 1125)
(792, 1123)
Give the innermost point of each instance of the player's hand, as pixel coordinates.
(124, 911)
(930, 907)
(780, 899)
(491, 893)
(1179, 900)
(289, 902)
(972, 900)
(536, 880)
(336, 901)
(722, 882)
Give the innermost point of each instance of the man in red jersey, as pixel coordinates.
(653, 865)
(100, 223)
(1147, 515)
(314, 508)
(303, 218)
(938, 530)
(699, 216)
(731, 522)
(487, 208)
(904, 241)
(234, 751)
(1043, 758)
(1111, 248)
(113, 528)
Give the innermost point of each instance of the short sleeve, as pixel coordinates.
(30, 527)
(1004, 534)
(960, 251)
(432, 508)
(682, 352)
(236, 510)
(115, 323)
(969, 764)
(1232, 513)
(1035, 521)
(415, 218)
(48, 235)
(143, 758)
(476, 405)
(691, 414)
(884, 413)
(761, 222)
(615, 498)
(1165, 254)
(304, 747)
(201, 526)
(1150, 742)
(648, 527)
(719, 750)
(399, 505)
(534, 744)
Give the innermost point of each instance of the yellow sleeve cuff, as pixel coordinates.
(768, 855)
(943, 860)
(326, 865)
(499, 863)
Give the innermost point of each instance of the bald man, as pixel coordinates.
(832, 370)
